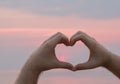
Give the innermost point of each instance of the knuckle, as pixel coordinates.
(80, 32)
(93, 39)
(47, 45)
(81, 36)
(59, 33)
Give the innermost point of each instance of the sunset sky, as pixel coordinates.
(25, 24)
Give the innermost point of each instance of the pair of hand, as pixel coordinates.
(44, 57)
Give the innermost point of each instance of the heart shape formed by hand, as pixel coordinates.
(45, 58)
(95, 58)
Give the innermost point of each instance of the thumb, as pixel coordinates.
(65, 65)
(85, 66)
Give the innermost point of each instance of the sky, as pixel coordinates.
(25, 24)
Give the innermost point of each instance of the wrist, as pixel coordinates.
(28, 75)
(110, 60)
(35, 63)
(32, 66)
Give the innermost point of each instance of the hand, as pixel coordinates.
(44, 58)
(99, 56)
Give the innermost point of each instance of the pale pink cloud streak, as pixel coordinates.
(78, 80)
(22, 19)
(9, 77)
(108, 28)
(37, 36)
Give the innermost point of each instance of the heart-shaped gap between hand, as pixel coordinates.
(76, 54)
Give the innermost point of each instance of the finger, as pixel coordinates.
(58, 39)
(65, 65)
(87, 40)
(85, 66)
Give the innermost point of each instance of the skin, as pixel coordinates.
(44, 58)
(99, 55)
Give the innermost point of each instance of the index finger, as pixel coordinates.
(86, 39)
(58, 38)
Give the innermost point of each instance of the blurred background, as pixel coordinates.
(25, 24)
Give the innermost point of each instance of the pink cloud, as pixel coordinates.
(9, 76)
(23, 19)
(48, 25)
(37, 36)
(78, 80)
